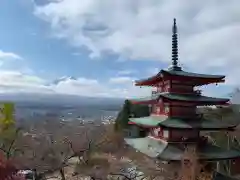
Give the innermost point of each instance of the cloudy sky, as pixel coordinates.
(98, 47)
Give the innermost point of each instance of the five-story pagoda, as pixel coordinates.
(175, 122)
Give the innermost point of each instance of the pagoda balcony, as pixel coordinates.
(198, 141)
(154, 92)
(198, 92)
(199, 116)
(183, 141)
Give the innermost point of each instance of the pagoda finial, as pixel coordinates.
(174, 29)
(175, 47)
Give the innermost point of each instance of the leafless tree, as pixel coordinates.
(52, 148)
(8, 139)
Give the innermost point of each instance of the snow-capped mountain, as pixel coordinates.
(62, 79)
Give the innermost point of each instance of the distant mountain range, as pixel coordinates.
(58, 99)
(74, 100)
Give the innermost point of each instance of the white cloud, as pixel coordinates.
(121, 80)
(15, 82)
(80, 86)
(24, 80)
(121, 87)
(8, 55)
(152, 71)
(115, 87)
(16, 76)
(208, 30)
(10, 61)
(126, 72)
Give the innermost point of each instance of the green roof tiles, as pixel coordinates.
(169, 151)
(183, 97)
(201, 123)
(149, 98)
(183, 123)
(149, 120)
(211, 152)
(154, 148)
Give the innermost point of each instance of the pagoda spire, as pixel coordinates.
(175, 47)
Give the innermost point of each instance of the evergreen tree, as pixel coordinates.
(139, 110)
(130, 110)
(123, 116)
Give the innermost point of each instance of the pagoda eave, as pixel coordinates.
(181, 98)
(152, 81)
(198, 79)
(196, 99)
(171, 152)
(230, 129)
(182, 124)
(195, 102)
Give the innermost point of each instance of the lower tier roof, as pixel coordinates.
(170, 152)
(179, 123)
(181, 97)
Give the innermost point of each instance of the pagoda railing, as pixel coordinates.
(198, 92)
(199, 115)
(199, 141)
(154, 92)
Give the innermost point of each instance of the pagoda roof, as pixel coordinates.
(180, 123)
(170, 151)
(191, 74)
(180, 97)
(207, 78)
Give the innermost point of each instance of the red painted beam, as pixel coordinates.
(144, 102)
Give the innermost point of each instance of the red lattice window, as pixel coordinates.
(166, 109)
(159, 89)
(165, 133)
(167, 88)
(157, 132)
(158, 110)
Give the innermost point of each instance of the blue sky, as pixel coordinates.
(25, 34)
(105, 45)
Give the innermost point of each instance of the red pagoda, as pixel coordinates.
(175, 122)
